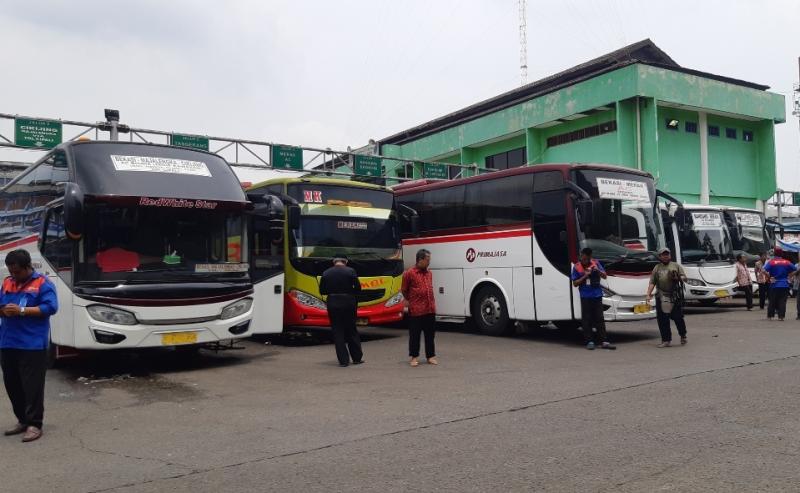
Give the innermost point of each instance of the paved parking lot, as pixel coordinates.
(530, 412)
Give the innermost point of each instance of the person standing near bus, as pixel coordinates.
(667, 276)
(744, 281)
(762, 278)
(27, 300)
(779, 270)
(340, 283)
(417, 289)
(586, 276)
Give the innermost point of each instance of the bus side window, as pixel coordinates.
(549, 218)
(57, 247)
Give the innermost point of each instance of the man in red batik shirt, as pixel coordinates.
(418, 291)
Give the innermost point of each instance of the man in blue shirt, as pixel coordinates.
(779, 270)
(27, 300)
(586, 277)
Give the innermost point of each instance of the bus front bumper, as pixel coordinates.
(623, 309)
(297, 314)
(709, 292)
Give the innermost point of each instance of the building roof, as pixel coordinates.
(645, 52)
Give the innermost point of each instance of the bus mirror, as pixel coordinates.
(586, 212)
(274, 207)
(294, 217)
(414, 222)
(73, 211)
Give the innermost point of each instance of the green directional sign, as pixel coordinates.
(367, 165)
(36, 133)
(190, 141)
(795, 198)
(285, 157)
(437, 171)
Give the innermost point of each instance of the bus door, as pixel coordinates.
(551, 266)
(267, 264)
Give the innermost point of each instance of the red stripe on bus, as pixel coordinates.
(23, 241)
(468, 237)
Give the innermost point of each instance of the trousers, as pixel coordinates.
(345, 334)
(676, 315)
(748, 294)
(417, 326)
(777, 302)
(23, 375)
(592, 315)
(763, 290)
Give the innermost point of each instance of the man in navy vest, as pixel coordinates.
(27, 300)
(586, 276)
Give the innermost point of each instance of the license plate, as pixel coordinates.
(641, 308)
(175, 338)
(362, 321)
(721, 293)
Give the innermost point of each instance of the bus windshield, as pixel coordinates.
(625, 231)
(134, 244)
(750, 236)
(704, 238)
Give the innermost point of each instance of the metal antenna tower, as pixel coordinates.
(523, 42)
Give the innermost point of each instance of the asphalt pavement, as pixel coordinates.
(530, 412)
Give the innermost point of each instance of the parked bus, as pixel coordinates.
(700, 242)
(144, 243)
(503, 244)
(325, 218)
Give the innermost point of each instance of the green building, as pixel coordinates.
(706, 138)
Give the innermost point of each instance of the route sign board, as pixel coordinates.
(190, 141)
(437, 171)
(37, 133)
(286, 157)
(367, 165)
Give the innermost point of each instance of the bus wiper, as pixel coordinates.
(373, 255)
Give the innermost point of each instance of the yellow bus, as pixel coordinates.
(325, 218)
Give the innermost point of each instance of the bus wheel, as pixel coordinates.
(490, 312)
(52, 355)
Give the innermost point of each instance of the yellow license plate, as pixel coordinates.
(721, 293)
(175, 338)
(362, 321)
(641, 308)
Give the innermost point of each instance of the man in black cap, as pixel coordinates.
(668, 277)
(340, 283)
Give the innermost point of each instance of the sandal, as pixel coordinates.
(414, 362)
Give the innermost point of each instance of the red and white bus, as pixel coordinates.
(503, 244)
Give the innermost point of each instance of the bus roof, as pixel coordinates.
(421, 185)
(113, 168)
(321, 181)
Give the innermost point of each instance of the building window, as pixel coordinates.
(583, 133)
(730, 133)
(691, 127)
(713, 130)
(673, 124)
(747, 135)
(505, 160)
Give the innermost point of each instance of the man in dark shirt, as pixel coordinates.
(340, 283)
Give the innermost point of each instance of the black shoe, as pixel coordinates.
(608, 345)
(343, 365)
(361, 361)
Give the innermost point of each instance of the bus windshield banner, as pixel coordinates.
(748, 219)
(616, 189)
(706, 219)
(160, 165)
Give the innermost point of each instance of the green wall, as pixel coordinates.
(678, 153)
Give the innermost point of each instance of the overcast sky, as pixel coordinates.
(337, 73)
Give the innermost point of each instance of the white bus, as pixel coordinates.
(503, 244)
(700, 242)
(749, 235)
(144, 243)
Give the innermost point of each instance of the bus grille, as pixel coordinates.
(370, 295)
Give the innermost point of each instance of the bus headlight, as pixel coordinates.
(235, 309)
(308, 300)
(695, 282)
(398, 298)
(111, 315)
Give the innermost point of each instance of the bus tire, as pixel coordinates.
(52, 356)
(490, 312)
